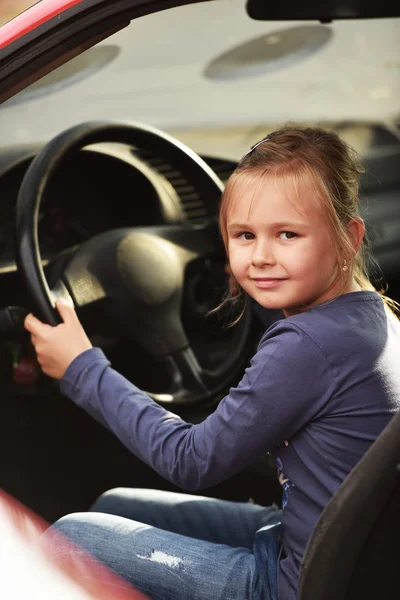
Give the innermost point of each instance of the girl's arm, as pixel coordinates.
(286, 385)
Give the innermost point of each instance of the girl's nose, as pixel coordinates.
(262, 255)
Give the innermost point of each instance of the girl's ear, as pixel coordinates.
(356, 229)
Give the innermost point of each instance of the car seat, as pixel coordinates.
(354, 549)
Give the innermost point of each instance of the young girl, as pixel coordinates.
(321, 387)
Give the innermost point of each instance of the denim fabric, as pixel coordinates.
(178, 546)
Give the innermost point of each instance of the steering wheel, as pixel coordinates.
(139, 271)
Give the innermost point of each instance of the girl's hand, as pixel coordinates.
(56, 347)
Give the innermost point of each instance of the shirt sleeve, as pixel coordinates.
(287, 384)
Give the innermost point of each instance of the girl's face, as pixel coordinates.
(280, 246)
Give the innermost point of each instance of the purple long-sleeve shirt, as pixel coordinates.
(319, 390)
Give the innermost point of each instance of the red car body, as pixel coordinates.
(31, 18)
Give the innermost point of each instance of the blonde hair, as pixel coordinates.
(298, 154)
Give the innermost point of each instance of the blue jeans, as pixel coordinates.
(178, 546)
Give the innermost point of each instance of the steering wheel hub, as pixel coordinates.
(150, 267)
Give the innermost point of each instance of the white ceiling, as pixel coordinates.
(157, 78)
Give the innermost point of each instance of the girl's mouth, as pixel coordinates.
(267, 282)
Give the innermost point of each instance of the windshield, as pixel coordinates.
(219, 80)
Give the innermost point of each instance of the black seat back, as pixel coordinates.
(354, 549)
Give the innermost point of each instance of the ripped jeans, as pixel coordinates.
(178, 546)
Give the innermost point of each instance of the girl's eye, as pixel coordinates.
(246, 235)
(287, 235)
